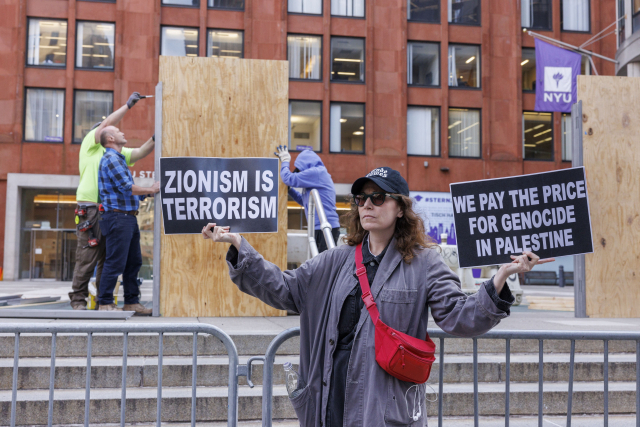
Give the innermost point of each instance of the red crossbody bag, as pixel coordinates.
(400, 355)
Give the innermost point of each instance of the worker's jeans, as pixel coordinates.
(122, 237)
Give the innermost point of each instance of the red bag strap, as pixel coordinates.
(361, 272)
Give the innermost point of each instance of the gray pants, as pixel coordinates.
(87, 258)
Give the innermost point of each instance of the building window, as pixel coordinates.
(423, 64)
(225, 43)
(621, 22)
(305, 125)
(567, 143)
(226, 4)
(305, 57)
(95, 45)
(464, 12)
(311, 7)
(423, 131)
(575, 15)
(423, 10)
(536, 14)
(347, 128)
(186, 3)
(528, 65)
(177, 41)
(44, 115)
(537, 135)
(47, 43)
(347, 59)
(464, 66)
(354, 8)
(464, 132)
(90, 108)
(635, 24)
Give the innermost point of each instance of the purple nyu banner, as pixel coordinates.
(557, 71)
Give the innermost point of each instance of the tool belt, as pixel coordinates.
(87, 225)
(400, 355)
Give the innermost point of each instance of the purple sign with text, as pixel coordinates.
(557, 72)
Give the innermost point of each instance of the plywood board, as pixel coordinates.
(611, 150)
(220, 107)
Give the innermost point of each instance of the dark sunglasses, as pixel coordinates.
(376, 198)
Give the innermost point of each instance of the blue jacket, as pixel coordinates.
(312, 175)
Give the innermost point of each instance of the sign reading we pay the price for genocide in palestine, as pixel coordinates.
(546, 213)
(241, 193)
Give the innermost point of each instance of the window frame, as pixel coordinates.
(289, 123)
(479, 87)
(449, 156)
(244, 4)
(75, 59)
(562, 159)
(100, 1)
(73, 114)
(425, 22)
(197, 38)
(308, 14)
(363, 17)
(181, 6)
(553, 140)
(573, 31)
(550, 28)
(479, 24)
(208, 39)
(24, 114)
(364, 61)
(534, 53)
(296, 79)
(439, 108)
(439, 45)
(364, 124)
(66, 48)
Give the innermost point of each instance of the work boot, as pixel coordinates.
(79, 306)
(109, 307)
(140, 310)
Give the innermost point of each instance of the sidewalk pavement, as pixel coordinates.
(521, 317)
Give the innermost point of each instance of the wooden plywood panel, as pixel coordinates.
(220, 107)
(611, 149)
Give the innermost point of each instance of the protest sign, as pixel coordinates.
(436, 210)
(546, 213)
(241, 193)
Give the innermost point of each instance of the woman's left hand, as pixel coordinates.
(520, 264)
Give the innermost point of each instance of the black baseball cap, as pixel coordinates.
(386, 178)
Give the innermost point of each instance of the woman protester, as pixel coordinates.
(343, 384)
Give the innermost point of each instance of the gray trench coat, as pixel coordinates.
(403, 292)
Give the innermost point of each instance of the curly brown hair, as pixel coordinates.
(409, 233)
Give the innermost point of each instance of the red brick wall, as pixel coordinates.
(265, 24)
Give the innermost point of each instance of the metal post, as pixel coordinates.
(159, 398)
(87, 392)
(14, 386)
(322, 217)
(157, 209)
(572, 358)
(123, 391)
(194, 378)
(312, 250)
(561, 276)
(52, 377)
(476, 420)
(507, 384)
(441, 382)
(579, 284)
(540, 380)
(606, 383)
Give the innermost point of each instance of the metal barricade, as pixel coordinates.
(125, 329)
(316, 204)
(269, 358)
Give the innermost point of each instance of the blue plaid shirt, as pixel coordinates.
(115, 182)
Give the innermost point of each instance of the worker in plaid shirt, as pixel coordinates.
(120, 198)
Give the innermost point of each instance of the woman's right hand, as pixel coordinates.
(221, 234)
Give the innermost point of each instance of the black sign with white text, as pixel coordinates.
(546, 213)
(241, 193)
